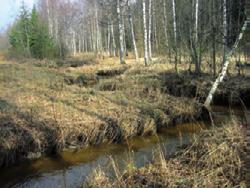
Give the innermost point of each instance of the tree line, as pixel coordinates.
(29, 36)
(194, 31)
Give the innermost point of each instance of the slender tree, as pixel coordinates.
(150, 29)
(225, 28)
(175, 35)
(133, 34)
(146, 56)
(121, 32)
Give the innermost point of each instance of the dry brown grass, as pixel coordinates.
(214, 159)
(3, 55)
(40, 113)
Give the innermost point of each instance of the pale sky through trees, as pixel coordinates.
(9, 10)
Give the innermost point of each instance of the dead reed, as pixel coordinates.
(214, 159)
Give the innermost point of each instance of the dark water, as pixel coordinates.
(71, 168)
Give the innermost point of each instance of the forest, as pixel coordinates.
(125, 93)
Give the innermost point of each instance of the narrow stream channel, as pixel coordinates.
(71, 168)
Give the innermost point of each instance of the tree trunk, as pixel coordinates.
(175, 36)
(49, 19)
(196, 20)
(79, 44)
(224, 69)
(165, 23)
(74, 42)
(174, 22)
(97, 30)
(121, 35)
(93, 42)
(124, 35)
(156, 46)
(196, 49)
(133, 35)
(213, 39)
(108, 40)
(224, 30)
(146, 58)
(113, 40)
(150, 29)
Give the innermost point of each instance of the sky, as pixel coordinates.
(9, 10)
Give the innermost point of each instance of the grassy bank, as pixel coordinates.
(214, 159)
(47, 106)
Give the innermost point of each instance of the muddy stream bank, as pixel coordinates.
(71, 168)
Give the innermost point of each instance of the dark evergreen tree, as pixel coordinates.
(29, 36)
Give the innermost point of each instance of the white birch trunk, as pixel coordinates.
(74, 43)
(155, 26)
(97, 30)
(113, 40)
(165, 23)
(224, 69)
(49, 18)
(93, 39)
(56, 28)
(146, 58)
(121, 32)
(86, 43)
(224, 30)
(150, 29)
(133, 36)
(174, 23)
(83, 42)
(196, 20)
(79, 44)
(124, 35)
(175, 35)
(108, 40)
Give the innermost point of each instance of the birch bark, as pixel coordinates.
(121, 32)
(165, 23)
(196, 20)
(113, 40)
(224, 69)
(224, 30)
(150, 29)
(146, 57)
(133, 34)
(175, 35)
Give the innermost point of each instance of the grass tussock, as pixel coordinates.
(41, 111)
(214, 159)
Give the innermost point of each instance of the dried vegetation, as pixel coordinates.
(214, 159)
(46, 107)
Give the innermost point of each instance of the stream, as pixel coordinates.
(71, 168)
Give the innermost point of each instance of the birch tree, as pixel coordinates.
(49, 17)
(165, 20)
(108, 40)
(175, 35)
(195, 41)
(156, 44)
(146, 55)
(150, 29)
(224, 69)
(172, 27)
(224, 30)
(133, 34)
(98, 34)
(196, 20)
(121, 32)
(213, 38)
(113, 40)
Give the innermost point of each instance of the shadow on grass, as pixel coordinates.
(110, 130)
(23, 136)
